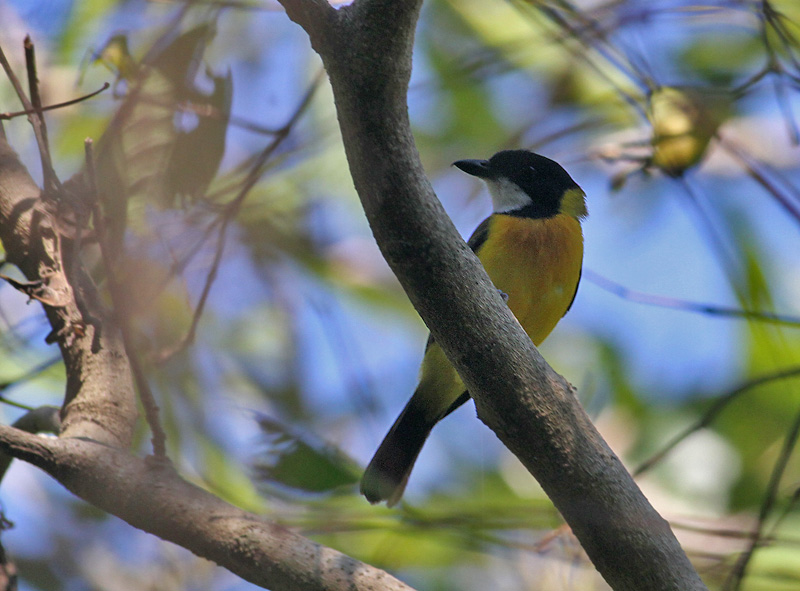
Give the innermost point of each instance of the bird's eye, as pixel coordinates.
(532, 169)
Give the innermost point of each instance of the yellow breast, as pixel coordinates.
(537, 263)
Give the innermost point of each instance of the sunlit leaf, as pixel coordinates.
(227, 478)
(684, 122)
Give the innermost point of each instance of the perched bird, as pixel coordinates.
(532, 249)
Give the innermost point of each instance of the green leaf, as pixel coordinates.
(227, 478)
(293, 460)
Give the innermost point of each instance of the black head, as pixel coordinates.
(525, 183)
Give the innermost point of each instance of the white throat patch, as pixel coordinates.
(506, 196)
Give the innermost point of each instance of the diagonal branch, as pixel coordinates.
(710, 415)
(639, 297)
(366, 50)
(152, 497)
(51, 183)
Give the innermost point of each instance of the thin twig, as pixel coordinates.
(12, 77)
(722, 249)
(15, 404)
(188, 339)
(756, 172)
(50, 180)
(248, 125)
(685, 305)
(736, 576)
(120, 312)
(773, 19)
(628, 69)
(33, 80)
(179, 265)
(714, 411)
(23, 98)
(786, 512)
(723, 532)
(229, 213)
(69, 103)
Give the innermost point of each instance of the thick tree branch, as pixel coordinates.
(366, 49)
(151, 496)
(99, 401)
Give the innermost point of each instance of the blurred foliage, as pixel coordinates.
(279, 346)
(293, 461)
(684, 122)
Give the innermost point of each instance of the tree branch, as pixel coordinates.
(366, 50)
(151, 496)
(99, 402)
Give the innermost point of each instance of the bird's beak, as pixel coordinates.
(478, 168)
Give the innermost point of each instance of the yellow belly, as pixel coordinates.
(539, 273)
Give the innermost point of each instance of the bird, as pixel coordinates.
(532, 249)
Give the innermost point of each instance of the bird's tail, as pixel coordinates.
(387, 474)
